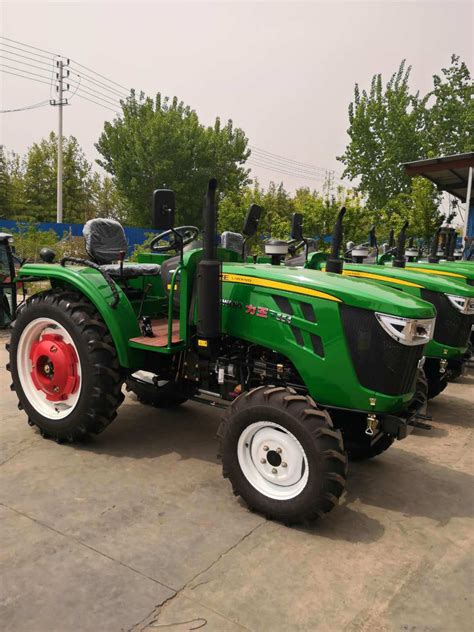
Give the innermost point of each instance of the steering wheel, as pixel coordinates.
(294, 246)
(188, 234)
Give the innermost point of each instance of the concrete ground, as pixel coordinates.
(137, 530)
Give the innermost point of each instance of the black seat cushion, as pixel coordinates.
(232, 241)
(131, 270)
(105, 240)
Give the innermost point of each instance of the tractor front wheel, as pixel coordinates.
(64, 366)
(282, 454)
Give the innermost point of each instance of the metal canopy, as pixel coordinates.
(449, 173)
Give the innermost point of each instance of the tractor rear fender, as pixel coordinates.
(121, 321)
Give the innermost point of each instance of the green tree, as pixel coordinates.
(319, 212)
(161, 143)
(107, 201)
(385, 126)
(4, 184)
(450, 119)
(39, 182)
(420, 206)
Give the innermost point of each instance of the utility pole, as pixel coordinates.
(60, 76)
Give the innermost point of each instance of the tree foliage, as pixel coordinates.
(389, 125)
(161, 144)
(28, 185)
(319, 210)
(450, 119)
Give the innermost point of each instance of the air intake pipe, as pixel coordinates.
(399, 259)
(433, 256)
(208, 275)
(335, 263)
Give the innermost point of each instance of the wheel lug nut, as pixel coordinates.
(278, 450)
(263, 460)
(265, 447)
(56, 389)
(284, 464)
(53, 349)
(274, 470)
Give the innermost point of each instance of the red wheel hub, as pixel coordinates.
(54, 365)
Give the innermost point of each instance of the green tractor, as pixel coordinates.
(440, 261)
(308, 367)
(447, 353)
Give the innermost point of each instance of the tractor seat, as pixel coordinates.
(232, 241)
(105, 244)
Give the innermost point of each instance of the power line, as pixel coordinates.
(76, 63)
(296, 170)
(288, 173)
(27, 107)
(87, 77)
(281, 158)
(92, 101)
(25, 63)
(38, 61)
(105, 96)
(22, 50)
(35, 74)
(287, 165)
(96, 95)
(9, 39)
(23, 77)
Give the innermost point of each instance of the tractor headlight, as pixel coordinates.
(407, 331)
(463, 303)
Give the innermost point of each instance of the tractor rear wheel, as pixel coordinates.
(282, 454)
(150, 393)
(64, 366)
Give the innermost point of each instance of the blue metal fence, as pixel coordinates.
(135, 236)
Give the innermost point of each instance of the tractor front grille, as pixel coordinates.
(452, 327)
(381, 363)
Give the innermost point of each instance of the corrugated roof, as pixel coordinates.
(449, 173)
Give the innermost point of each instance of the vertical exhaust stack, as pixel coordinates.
(335, 263)
(399, 259)
(433, 256)
(451, 247)
(208, 275)
(391, 239)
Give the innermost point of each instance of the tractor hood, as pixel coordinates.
(407, 278)
(457, 270)
(356, 292)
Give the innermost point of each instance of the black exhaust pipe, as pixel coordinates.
(399, 259)
(433, 257)
(391, 239)
(451, 245)
(208, 275)
(335, 263)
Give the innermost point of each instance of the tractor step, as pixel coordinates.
(159, 341)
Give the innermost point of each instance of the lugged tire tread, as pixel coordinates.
(107, 394)
(329, 439)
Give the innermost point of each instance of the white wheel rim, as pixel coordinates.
(273, 460)
(64, 404)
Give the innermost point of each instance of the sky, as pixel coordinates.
(284, 72)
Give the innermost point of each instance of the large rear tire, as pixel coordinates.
(282, 454)
(64, 366)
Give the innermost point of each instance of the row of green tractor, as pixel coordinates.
(314, 359)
